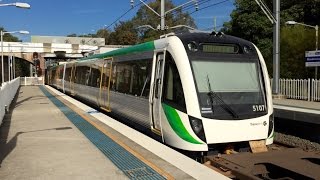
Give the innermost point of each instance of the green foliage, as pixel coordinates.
(249, 22)
(124, 34)
(9, 37)
(22, 67)
(145, 16)
(103, 33)
(72, 35)
(294, 42)
(128, 33)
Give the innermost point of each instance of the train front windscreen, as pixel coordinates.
(229, 89)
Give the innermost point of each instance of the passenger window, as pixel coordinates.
(158, 77)
(132, 77)
(172, 88)
(82, 75)
(68, 73)
(95, 77)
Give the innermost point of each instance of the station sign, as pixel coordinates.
(312, 58)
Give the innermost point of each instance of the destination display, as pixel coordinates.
(220, 48)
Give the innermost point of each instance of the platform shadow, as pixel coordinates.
(7, 146)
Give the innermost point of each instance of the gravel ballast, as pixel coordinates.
(296, 142)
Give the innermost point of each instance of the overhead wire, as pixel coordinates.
(185, 8)
(200, 2)
(107, 27)
(221, 2)
(190, 6)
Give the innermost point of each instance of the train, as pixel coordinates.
(195, 91)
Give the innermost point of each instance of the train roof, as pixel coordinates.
(199, 37)
(214, 37)
(148, 46)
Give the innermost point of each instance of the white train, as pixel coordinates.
(197, 91)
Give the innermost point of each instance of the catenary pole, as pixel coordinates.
(276, 47)
(162, 25)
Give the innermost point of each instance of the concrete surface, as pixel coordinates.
(168, 160)
(298, 110)
(297, 103)
(38, 142)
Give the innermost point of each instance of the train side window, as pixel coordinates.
(95, 77)
(61, 72)
(82, 74)
(68, 74)
(145, 78)
(172, 87)
(158, 77)
(131, 77)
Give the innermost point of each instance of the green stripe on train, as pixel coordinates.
(177, 125)
(148, 46)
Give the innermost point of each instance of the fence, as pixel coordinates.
(31, 81)
(7, 92)
(303, 89)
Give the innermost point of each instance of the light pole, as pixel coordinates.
(3, 33)
(316, 27)
(17, 4)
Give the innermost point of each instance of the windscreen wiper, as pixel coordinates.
(213, 95)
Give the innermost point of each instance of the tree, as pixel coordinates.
(82, 35)
(104, 33)
(124, 34)
(294, 42)
(72, 35)
(22, 67)
(9, 37)
(145, 16)
(249, 22)
(128, 33)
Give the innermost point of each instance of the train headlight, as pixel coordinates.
(271, 124)
(192, 46)
(197, 127)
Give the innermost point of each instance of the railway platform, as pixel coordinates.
(48, 135)
(298, 110)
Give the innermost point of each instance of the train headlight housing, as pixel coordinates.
(192, 46)
(271, 124)
(197, 127)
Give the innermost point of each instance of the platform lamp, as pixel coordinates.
(3, 33)
(17, 4)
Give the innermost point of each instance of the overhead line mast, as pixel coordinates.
(162, 26)
(275, 20)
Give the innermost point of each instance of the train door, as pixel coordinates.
(106, 69)
(155, 97)
(57, 77)
(63, 77)
(72, 78)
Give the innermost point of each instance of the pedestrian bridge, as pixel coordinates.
(25, 51)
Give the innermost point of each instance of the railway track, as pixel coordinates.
(280, 161)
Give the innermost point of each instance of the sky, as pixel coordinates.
(63, 17)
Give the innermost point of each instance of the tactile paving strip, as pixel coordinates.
(130, 165)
